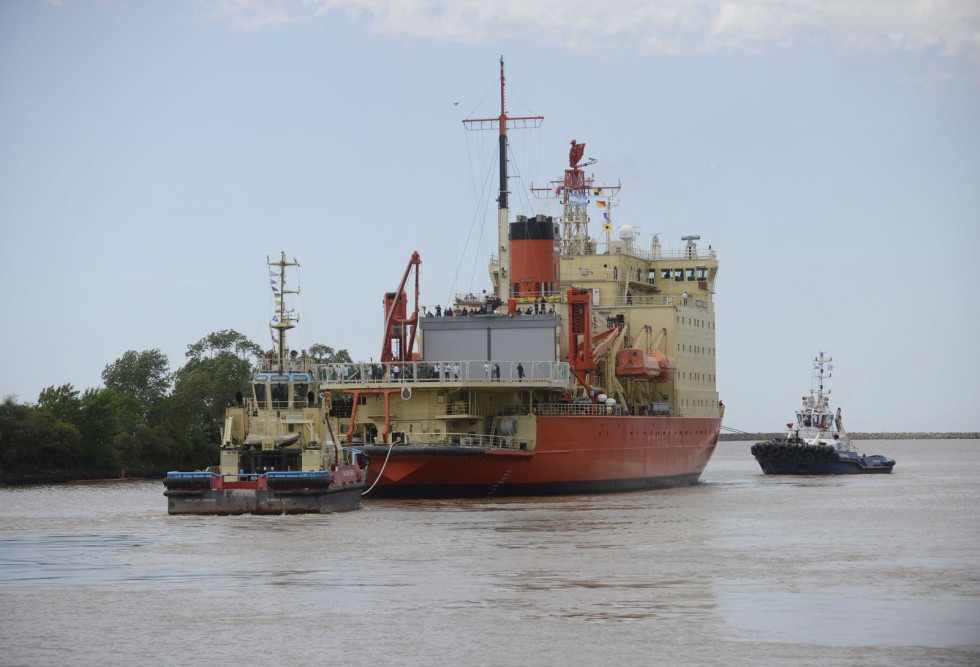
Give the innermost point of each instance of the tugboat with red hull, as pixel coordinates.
(274, 458)
(589, 367)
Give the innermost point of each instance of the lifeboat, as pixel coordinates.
(644, 365)
(668, 365)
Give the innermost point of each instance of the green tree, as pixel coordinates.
(18, 438)
(143, 375)
(218, 369)
(139, 383)
(144, 418)
(324, 354)
(102, 419)
(33, 440)
(60, 410)
(218, 343)
(62, 402)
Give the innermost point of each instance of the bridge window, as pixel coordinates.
(690, 275)
(665, 274)
(679, 275)
(299, 393)
(702, 273)
(279, 391)
(260, 399)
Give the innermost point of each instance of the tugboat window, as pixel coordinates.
(299, 393)
(280, 395)
(260, 395)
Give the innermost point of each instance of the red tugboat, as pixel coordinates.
(589, 367)
(274, 457)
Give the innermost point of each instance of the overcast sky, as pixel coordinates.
(152, 154)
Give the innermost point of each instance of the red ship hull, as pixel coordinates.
(573, 454)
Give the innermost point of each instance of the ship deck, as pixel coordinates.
(443, 374)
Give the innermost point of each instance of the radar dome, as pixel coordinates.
(626, 233)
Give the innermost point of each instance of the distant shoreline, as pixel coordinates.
(861, 436)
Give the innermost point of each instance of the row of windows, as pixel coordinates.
(695, 322)
(277, 394)
(696, 403)
(697, 377)
(698, 274)
(680, 275)
(696, 349)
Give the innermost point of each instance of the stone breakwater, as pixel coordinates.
(861, 436)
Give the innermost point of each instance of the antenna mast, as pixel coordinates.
(503, 122)
(282, 320)
(574, 191)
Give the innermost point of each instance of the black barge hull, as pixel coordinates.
(264, 501)
(822, 468)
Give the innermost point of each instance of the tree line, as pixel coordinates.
(145, 419)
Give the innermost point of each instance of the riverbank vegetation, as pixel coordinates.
(145, 419)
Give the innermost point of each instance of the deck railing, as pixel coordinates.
(466, 440)
(453, 372)
(657, 300)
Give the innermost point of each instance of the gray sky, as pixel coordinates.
(153, 154)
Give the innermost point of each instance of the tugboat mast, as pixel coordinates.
(282, 321)
(818, 363)
(503, 122)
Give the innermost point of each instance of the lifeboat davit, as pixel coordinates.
(644, 365)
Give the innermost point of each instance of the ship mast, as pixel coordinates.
(282, 321)
(819, 362)
(574, 190)
(503, 122)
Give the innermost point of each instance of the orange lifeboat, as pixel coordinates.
(644, 365)
(668, 365)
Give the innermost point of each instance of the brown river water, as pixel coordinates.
(741, 569)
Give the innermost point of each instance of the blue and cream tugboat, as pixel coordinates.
(274, 458)
(817, 443)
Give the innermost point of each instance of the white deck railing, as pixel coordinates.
(453, 372)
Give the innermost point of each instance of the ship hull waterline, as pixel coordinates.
(822, 468)
(264, 501)
(574, 454)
